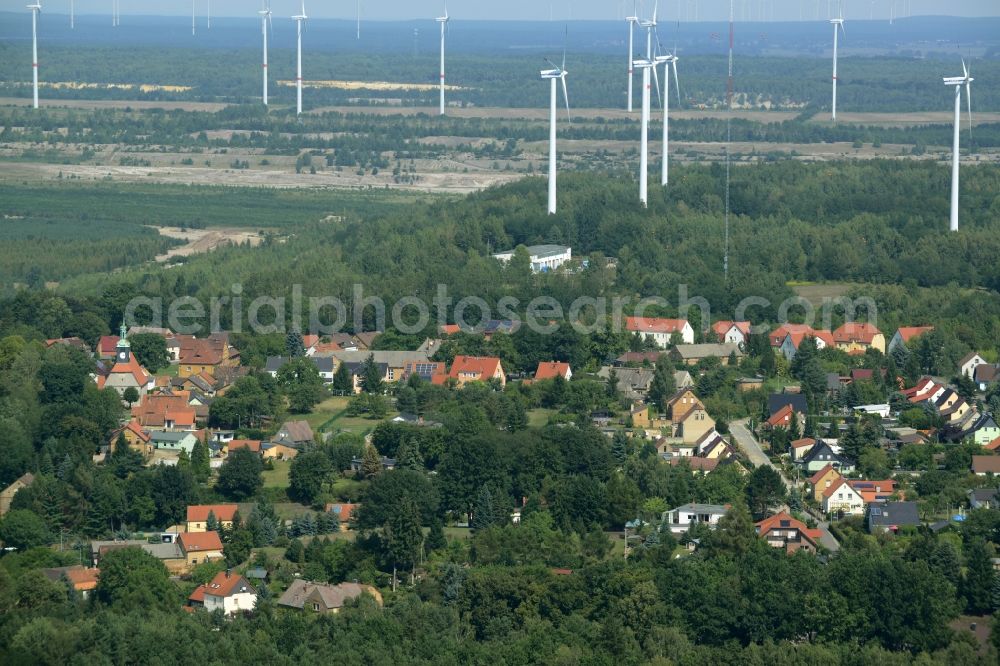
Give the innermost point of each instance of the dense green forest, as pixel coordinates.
(866, 84)
(359, 138)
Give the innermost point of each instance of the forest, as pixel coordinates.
(504, 80)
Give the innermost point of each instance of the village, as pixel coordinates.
(824, 459)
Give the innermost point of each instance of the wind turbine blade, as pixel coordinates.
(656, 78)
(565, 42)
(656, 8)
(552, 64)
(965, 70)
(677, 83)
(566, 97)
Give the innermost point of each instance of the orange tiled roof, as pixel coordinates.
(224, 584)
(83, 580)
(781, 417)
(775, 522)
(252, 444)
(720, 328)
(133, 368)
(198, 513)
(551, 369)
(197, 542)
(907, 333)
(860, 332)
(654, 324)
(482, 367)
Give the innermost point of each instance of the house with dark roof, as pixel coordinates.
(323, 597)
(823, 454)
(968, 364)
(984, 498)
(776, 401)
(983, 465)
(892, 516)
(295, 434)
(986, 375)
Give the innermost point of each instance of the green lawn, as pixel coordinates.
(277, 477)
(348, 490)
(540, 417)
(331, 415)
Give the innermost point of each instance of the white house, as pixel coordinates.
(969, 364)
(660, 330)
(841, 497)
(544, 258)
(683, 517)
(231, 593)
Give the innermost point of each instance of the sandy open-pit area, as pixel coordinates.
(198, 241)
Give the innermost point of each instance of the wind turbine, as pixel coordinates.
(958, 82)
(114, 13)
(298, 72)
(838, 24)
(669, 62)
(192, 17)
(632, 20)
(265, 24)
(443, 20)
(72, 15)
(650, 26)
(645, 66)
(35, 11)
(553, 75)
(359, 20)
(208, 15)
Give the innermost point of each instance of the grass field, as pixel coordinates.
(540, 417)
(277, 477)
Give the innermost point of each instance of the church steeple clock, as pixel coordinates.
(124, 349)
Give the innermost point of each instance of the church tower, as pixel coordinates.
(124, 349)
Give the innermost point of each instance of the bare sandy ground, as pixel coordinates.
(205, 240)
(448, 183)
(905, 119)
(114, 104)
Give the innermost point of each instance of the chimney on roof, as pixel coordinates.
(229, 573)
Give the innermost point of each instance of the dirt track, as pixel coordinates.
(205, 240)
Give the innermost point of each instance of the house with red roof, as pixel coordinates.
(343, 512)
(801, 447)
(228, 592)
(553, 369)
(789, 345)
(880, 490)
(465, 369)
(737, 332)
(253, 445)
(791, 535)
(197, 516)
(904, 334)
(783, 418)
(858, 337)
(200, 547)
(660, 330)
(107, 347)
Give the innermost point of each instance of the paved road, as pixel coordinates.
(751, 449)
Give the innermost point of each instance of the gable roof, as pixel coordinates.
(697, 463)
(860, 332)
(297, 432)
(986, 464)
(776, 401)
(784, 521)
(198, 513)
(705, 350)
(552, 369)
(720, 328)
(250, 444)
(133, 368)
(107, 344)
(987, 373)
(196, 542)
(781, 416)
(818, 476)
(225, 584)
(639, 357)
(483, 367)
(968, 357)
(893, 514)
(779, 334)
(804, 442)
(332, 596)
(133, 427)
(654, 325)
(822, 449)
(907, 333)
(840, 482)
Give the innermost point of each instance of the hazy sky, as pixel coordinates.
(534, 10)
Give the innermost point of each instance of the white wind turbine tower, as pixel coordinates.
(359, 19)
(553, 75)
(265, 24)
(208, 15)
(958, 82)
(193, 11)
(645, 66)
(72, 15)
(35, 11)
(443, 20)
(838, 24)
(298, 72)
(669, 62)
(632, 20)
